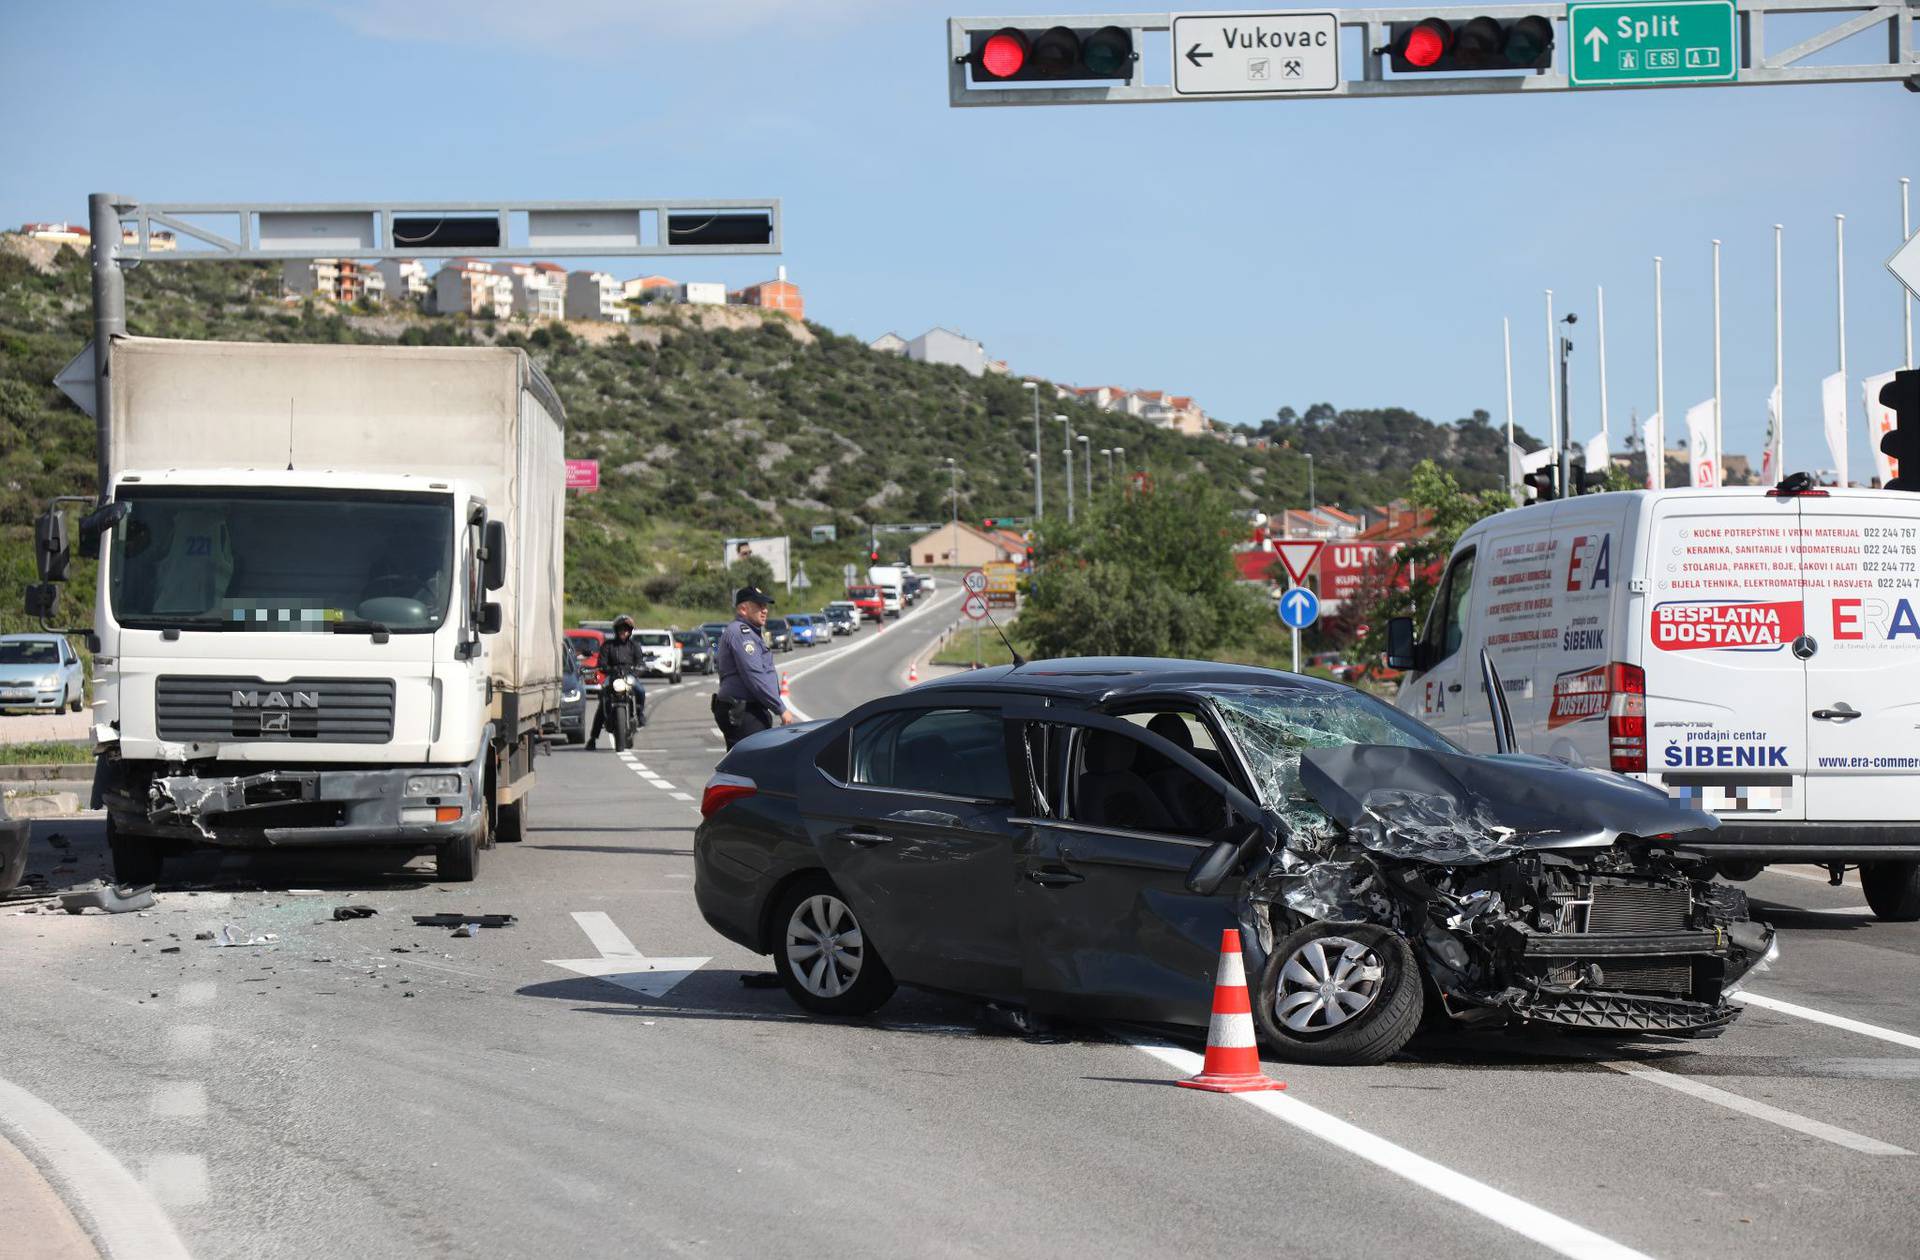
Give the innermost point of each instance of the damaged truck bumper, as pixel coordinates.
(417, 806)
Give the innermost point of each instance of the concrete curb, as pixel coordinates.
(39, 1223)
(39, 772)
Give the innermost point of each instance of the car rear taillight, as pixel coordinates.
(722, 789)
(1627, 718)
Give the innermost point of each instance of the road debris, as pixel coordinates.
(342, 913)
(457, 920)
(228, 937)
(100, 895)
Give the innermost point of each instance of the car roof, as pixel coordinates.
(30, 638)
(1116, 677)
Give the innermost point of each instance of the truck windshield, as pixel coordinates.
(282, 560)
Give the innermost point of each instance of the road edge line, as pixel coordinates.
(119, 1214)
(1741, 1104)
(1808, 1013)
(1497, 1206)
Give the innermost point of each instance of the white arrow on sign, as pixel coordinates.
(1905, 264)
(1594, 39)
(1298, 601)
(620, 963)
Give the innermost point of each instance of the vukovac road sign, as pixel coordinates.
(1298, 555)
(1255, 54)
(1651, 42)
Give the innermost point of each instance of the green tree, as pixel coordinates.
(1432, 488)
(1140, 575)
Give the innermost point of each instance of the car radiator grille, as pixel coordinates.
(1648, 975)
(1638, 908)
(326, 710)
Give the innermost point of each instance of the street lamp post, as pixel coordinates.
(1039, 496)
(1313, 502)
(1068, 421)
(1108, 452)
(1086, 449)
(1120, 457)
(953, 489)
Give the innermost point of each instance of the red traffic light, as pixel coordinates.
(1426, 43)
(1005, 54)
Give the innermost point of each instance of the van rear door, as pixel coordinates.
(1726, 693)
(1861, 557)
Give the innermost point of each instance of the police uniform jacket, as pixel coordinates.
(746, 667)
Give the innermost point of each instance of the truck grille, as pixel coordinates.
(1638, 908)
(323, 710)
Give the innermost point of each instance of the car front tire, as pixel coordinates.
(1893, 890)
(1342, 994)
(824, 959)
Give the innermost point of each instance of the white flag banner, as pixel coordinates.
(1651, 439)
(1881, 420)
(1833, 404)
(1703, 459)
(1515, 470)
(1770, 471)
(1599, 458)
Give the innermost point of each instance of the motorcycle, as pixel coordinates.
(626, 709)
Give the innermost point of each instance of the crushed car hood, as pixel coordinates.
(1455, 808)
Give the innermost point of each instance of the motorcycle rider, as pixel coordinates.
(618, 655)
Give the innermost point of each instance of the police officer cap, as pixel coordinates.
(752, 595)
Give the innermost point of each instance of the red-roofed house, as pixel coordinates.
(779, 294)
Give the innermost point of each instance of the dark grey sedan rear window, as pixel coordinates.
(955, 752)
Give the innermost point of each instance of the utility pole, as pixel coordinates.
(953, 490)
(1657, 470)
(1068, 422)
(1565, 487)
(1313, 500)
(1039, 496)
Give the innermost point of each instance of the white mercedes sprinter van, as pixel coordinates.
(1751, 651)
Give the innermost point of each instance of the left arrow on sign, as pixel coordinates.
(620, 963)
(1194, 55)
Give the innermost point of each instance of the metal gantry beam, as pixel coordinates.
(1366, 33)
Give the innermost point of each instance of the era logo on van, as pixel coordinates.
(1857, 619)
(1590, 562)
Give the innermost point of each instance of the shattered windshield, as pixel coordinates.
(1273, 725)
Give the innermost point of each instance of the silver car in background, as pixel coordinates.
(40, 672)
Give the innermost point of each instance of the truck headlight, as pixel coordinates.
(433, 785)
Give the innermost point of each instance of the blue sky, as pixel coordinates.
(1251, 254)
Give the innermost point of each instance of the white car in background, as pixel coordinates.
(40, 672)
(662, 653)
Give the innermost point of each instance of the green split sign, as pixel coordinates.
(1651, 42)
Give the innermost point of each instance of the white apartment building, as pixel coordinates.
(595, 295)
(467, 287)
(339, 280)
(539, 290)
(406, 279)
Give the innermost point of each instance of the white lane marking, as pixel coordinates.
(189, 1041)
(181, 1100)
(606, 937)
(198, 993)
(1550, 1231)
(177, 1179)
(115, 1208)
(835, 654)
(1821, 1017)
(1760, 1111)
(680, 796)
(662, 784)
(626, 756)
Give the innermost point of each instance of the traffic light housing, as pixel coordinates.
(1540, 484)
(1436, 46)
(1013, 55)
(1902, 442)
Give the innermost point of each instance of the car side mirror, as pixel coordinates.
(51, 553)
(495, 571)
(95, 524)
(1402, 652)
(1210, 869)
(491, 619)
(41, 597)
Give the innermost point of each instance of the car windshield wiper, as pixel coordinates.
(377, 629)
(177, 624)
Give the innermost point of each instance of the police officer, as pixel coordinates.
(618, 655)
(748, 699)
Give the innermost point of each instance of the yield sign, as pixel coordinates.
(1298, 554)
(1905, 264)
(620, 963)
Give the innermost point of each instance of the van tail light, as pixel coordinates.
(1627, 718)
(722, 789)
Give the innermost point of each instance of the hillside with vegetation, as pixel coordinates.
(707, 422)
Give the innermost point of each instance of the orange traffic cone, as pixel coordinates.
(913, 674)
(1233, 1060)
(785, 691)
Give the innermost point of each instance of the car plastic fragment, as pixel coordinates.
(456, 920)
(343, 913)
(229, 937)
(100, 895)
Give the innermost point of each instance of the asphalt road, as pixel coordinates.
(376, 1088)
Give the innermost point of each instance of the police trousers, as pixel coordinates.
(738, 719)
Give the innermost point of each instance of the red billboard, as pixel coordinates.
(1348, 567)
(583, 474)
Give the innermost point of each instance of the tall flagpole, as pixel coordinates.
(1553, 394)
(1506, 342)
(1600, 300)
(1779, 366)
(1659, 470)
(1840, 276)
(1906, 299)
(1719, 439)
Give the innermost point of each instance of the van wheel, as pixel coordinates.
(1893, 890)
(1346, 994)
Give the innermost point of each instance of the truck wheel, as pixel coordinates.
(512, 826)
(458, 861)
(136, 859)
(1346, 994)
(1893, 890)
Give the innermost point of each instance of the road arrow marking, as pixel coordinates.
(1194, 55)
(1594, 39)
(620, 963)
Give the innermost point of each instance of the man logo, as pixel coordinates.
(276, 700)
(271, 723)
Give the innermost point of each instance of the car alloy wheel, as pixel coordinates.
(1325, 982)
(824, 945)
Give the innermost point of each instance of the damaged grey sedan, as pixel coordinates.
(1071, 836)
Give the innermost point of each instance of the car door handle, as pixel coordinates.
(1453, 686)
(1053, 876)
(1842, 712)
(866, 839)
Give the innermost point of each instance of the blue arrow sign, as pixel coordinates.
(1299, 607)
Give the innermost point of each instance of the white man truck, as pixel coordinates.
(329, 600)
(1753, 652)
